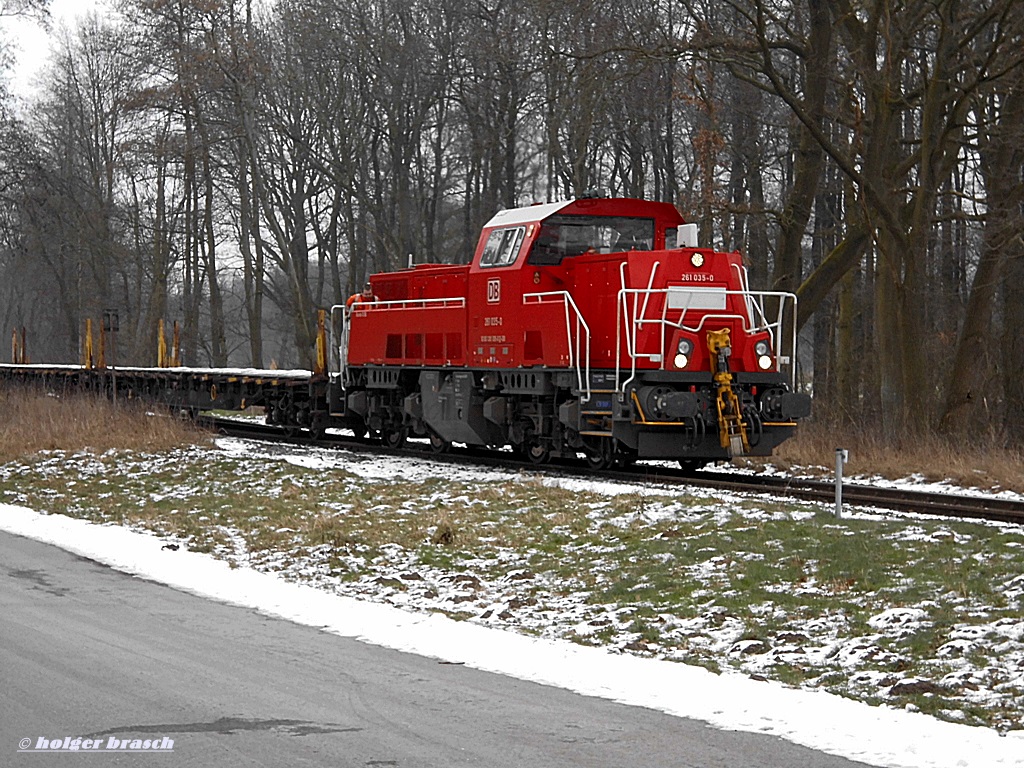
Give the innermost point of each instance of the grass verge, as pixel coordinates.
(929, 458)
(902, 612)
(35, 421)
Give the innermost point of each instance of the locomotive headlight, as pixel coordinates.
(761, 348)
(764, 362)
(697, 260)
(683, 350)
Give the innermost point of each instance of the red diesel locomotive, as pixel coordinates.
(593, 326)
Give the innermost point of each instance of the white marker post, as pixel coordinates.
(842, 456)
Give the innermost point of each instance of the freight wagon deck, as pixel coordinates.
(289, 395)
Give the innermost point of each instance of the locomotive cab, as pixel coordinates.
(537, 267)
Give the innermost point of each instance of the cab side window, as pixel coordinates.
(502, 247)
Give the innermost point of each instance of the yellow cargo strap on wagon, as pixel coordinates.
(320, 364)
(732, 430)
(167, 358)
(87, 358)
(19, 351)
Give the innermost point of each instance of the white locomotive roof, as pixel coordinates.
(512, 216)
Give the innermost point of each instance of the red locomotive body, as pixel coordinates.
(591, 326)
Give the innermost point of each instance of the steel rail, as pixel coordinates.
(952, 504)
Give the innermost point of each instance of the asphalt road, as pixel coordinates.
(86, 651)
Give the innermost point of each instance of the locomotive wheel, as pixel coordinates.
(692, 465)
(627, 456)
(538, 453)
(358, 427)
(438, 444)
(603, 456)
(394, 438)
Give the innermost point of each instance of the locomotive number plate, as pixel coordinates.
(494, 291)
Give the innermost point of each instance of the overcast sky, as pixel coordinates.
(31, 41)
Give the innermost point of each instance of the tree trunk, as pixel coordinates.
(809, 154)
(218, 341)
(1013, 340)
(848, 352)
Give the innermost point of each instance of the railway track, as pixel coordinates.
(858, 494)
(854, 494)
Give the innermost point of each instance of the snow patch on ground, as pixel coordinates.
(818, 720)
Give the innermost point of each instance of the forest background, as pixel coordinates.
(237, 164)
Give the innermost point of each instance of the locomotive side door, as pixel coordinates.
(495, 300)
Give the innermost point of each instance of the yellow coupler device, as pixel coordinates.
(732, 431)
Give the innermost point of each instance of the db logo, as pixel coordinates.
(493, 291)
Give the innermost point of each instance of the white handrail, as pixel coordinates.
(581, 359)
(338, 310)
(755, 321)
(454, 302)
(636, 324)
(346, 312)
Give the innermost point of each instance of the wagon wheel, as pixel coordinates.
(318, 426)
(185, 413)
(394, 438)
(438, 444)
(290, 424)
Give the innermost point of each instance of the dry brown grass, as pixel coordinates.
(932, 457)
(33, 421)
(445, 532)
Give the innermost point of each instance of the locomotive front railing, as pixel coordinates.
(632, 316)
(578, 343)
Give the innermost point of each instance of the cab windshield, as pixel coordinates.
(565, 236)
